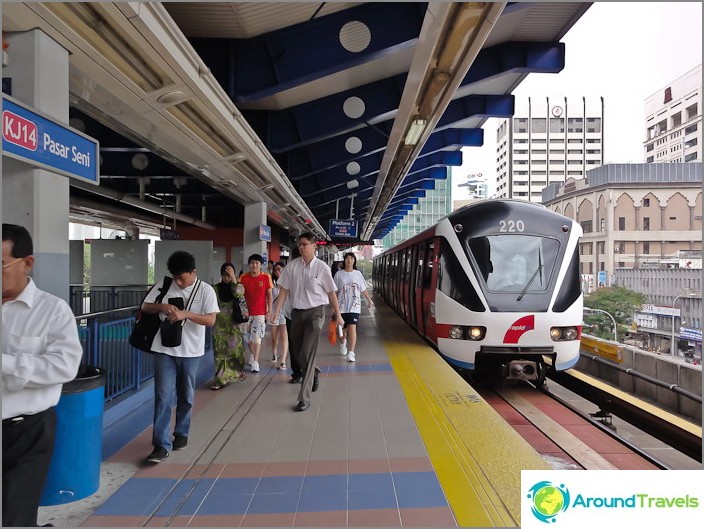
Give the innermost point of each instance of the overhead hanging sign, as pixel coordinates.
(343, 228)
(43, 142)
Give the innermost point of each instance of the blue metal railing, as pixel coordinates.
(103, 298)
(105, 340)
(104, 337)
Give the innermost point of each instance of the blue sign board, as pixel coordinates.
(691, 334)
(343, 228)
(264, 233)
(43, 142)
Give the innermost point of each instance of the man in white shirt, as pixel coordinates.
(310, 283)
(194, 303)
(40, 351)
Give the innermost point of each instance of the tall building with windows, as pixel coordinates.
(673, 121)
(436, 204)
(549, 140)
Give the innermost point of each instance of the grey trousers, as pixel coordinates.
(306, 326)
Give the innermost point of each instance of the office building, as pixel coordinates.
(549, 140)
(673, 121)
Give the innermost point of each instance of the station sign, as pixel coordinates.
(691, 334)
(264, 233)
(43, 142)
(343, 228)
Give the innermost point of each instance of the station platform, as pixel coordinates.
(395, 439)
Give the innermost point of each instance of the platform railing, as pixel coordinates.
(106, 297)
(105, 339)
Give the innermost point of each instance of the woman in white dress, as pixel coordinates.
(351, 286)
(279, 336)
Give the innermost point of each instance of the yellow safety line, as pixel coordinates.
(476, 455)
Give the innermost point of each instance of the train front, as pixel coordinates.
(509, 290)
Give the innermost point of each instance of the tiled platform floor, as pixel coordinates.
(354, 459)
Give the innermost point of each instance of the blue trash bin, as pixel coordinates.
(74, 471)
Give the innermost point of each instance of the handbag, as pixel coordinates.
(240, 314)
(147, 325)
(332, 332)
(171, 332)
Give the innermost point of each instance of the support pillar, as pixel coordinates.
(254, 216)
(35, 198)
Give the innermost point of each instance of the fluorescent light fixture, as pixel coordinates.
(352, 184)
(266, 187)
(235, 158)
(415, 130)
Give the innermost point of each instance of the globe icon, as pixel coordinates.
(548, 500)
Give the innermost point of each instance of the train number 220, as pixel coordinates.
(511, 226)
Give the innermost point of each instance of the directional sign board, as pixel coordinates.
(343, 228)
(39, 140)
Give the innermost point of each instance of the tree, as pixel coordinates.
(620, 302)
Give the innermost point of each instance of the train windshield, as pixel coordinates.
(515, 263)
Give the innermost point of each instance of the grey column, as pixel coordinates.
(254, 216)
(35, 198)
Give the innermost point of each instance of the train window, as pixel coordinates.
(515, 263)
(453, 281)
(571, 287)
(428, 265)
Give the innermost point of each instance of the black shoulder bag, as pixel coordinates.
(147, 325)
(171, 332)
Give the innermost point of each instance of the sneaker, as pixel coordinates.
(274, 358)
(282, 367)
(343, 348)
(158, 455)
(180, 442)
(255, 367)
(350, 356)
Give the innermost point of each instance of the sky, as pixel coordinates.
(622, 51)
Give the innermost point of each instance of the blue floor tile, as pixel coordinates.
(280, 484)
(324, 483)
(371, 482)
(223, 502)
(372, 499)
(237, 485)
(137, 497)
(274, 503)
(418, 489)
(323, 500)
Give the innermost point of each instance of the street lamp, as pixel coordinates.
(589, 309)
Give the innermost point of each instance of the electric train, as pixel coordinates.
(494, 286)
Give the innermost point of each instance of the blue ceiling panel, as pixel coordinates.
(324, 118)
(367, 166)
(476, 106)
(287, 58)
(516, 57)
(438, 159)
(326, 154)
(452, 139)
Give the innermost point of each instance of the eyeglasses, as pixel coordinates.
(302, 244)
(12, 262)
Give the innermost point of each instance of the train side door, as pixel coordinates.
(412, 286)
(429, 282)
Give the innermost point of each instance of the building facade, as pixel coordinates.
(673, 311)
(547, 141)
(633, 216)
(673, 121)
(435, 205)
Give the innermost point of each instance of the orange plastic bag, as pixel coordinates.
(332, 332)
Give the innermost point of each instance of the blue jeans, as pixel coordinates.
(173, 377)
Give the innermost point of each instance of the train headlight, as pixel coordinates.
(476, 333)
(456, 333)
(564, 334)
(570, 333)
